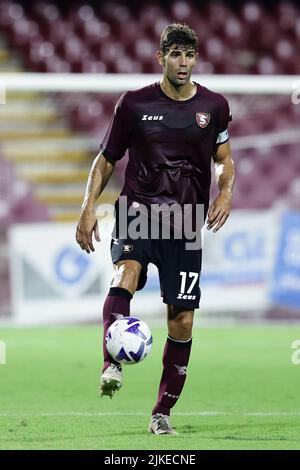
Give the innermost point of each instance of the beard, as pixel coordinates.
(178, 82)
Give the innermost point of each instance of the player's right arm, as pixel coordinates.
(113, 147)
(87, 225)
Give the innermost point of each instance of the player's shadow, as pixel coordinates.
(235, 432)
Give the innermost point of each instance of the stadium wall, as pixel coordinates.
(248, 268)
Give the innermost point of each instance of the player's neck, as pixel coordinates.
(181, 93)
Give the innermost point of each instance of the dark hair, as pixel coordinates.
(179, 34)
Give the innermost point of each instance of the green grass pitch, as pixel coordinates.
(241, 392)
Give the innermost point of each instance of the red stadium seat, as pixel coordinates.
(40, 53)
(126, 65)
(181, 11)
(231, 40)
(96, 33)
(23, 34)
(57, 65)
(59, 31)
(87, 114)
(287, 15)
(113, 37)
(17, 203)
(266, 65)
(10, 14)
(216, 15)
(251, 12)
(93, 66)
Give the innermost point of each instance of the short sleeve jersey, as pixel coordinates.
(170, 144)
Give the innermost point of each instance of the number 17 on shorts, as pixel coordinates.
(187, 285)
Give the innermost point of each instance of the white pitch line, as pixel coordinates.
(196, 413)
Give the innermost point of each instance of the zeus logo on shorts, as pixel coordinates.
(151, 117)
(127, 248)
(186, 297)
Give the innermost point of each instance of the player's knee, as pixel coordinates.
(181, 326)
(127, 277)
(130, 277)
(186, 325)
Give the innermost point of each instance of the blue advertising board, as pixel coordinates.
(286, 280)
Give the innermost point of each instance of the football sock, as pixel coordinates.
(117, 303)
(175, 360)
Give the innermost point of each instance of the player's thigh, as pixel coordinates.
(136, 255)
(126, 275)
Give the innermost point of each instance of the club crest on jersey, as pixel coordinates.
(202, 119)
(127, 248)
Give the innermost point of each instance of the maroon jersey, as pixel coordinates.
(170, 144)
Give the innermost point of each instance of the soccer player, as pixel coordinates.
(172, 129)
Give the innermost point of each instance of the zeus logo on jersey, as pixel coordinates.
(151, 117)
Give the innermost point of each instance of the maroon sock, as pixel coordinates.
(117, 302)
(175, 360)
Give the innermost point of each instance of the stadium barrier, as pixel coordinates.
(243, 263)
(115, 83)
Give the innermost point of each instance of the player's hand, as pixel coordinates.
(87, 226)
(219, 211)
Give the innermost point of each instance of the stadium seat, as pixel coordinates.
(117, 38)
(17, 201)
(232, 39)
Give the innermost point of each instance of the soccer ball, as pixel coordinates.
(128, 340)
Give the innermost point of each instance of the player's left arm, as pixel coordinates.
(224, 170)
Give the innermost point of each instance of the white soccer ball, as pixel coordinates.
(128, 340)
